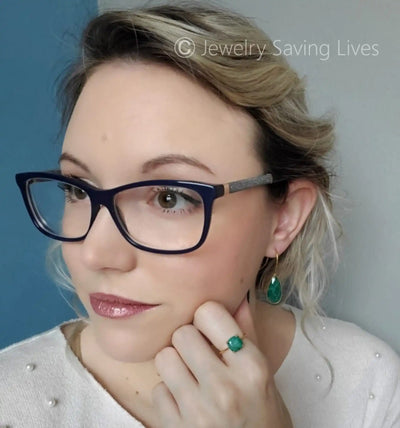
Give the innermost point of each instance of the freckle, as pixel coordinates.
(241, 280)
(104, 138)
(137, 392)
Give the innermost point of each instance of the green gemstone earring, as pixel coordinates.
(274, 291)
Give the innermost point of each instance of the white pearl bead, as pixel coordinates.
(371, 396)
(318, 377)
(378, 355)
(30, 367)
(324, 327)
(52, 402)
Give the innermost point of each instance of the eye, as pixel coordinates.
(167, 199)
(72, 193)
(177, 199)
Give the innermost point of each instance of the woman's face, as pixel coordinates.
(127, 115)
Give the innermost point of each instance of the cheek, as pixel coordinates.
(238, 244)
(226, 266)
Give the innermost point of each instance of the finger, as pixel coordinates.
(175, 374)
(218, 325)
(196, 351)
(245, 321)
(165, 406)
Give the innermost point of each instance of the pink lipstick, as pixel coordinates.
(110, 306)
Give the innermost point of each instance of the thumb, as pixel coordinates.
(245, 321)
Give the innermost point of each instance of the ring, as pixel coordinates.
(235, 344)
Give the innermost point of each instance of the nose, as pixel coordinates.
(105, 248)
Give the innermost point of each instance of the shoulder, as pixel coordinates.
(12, 356)
(30, 371)
(360, 371)
(349, 344)
(32, 355)
(44, 349)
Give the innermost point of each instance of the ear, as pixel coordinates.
(291, 215)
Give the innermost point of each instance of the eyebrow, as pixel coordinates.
(68, 157)
(148, 165)
(173, 159)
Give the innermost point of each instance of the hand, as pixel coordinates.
(202, 389)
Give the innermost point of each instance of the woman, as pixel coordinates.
(191, 204)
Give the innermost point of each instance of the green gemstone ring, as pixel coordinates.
(235, 343)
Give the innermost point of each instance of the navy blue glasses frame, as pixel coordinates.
(101, 197)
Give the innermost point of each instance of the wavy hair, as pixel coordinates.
(290, 143)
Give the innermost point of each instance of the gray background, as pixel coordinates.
(363, 93)
(36, 40)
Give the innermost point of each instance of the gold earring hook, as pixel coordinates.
(276, 262)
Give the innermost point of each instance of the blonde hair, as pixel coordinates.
(290, 143)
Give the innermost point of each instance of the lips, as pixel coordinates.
(116, 307)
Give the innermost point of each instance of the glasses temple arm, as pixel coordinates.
(237, 186)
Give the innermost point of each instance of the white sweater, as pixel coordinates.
(44, 385)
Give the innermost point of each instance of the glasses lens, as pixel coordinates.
(61, 208)
(162, 217)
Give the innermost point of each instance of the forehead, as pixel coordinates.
(136, 111)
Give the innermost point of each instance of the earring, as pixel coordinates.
(274, 291)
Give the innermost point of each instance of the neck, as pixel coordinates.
(275, 329)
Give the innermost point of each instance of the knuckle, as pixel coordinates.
(180, 335)
(158, 392)
(227, 399)
(206, 423)
(165, 355)
(197, 411)
(205, 309)
(202, 421)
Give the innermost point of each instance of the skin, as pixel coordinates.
(128, 114)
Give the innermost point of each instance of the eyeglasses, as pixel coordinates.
(160, 216)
